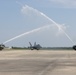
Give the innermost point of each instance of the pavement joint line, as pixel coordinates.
(50, 66)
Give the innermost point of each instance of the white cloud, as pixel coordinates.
(29, 10)
(25, 10)
(65, 3)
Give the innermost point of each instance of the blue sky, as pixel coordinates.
(21, 16)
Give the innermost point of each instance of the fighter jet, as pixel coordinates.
(36, 46)
(2, 47)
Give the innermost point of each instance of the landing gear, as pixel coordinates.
(74, 47)
(37, 49)
(32, 49)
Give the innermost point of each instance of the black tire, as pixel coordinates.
(32, 49)
(37, 49)
(1, 48)
(74, 47)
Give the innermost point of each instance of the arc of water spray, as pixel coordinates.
(26, 33)
(40, 28)
(57, 26)
(53, 22)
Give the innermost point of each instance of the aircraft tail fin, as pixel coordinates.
(35, 44)
(30, 44)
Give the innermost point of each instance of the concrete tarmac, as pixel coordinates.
(42, 62)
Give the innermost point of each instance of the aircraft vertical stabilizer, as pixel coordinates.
(30, 44)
